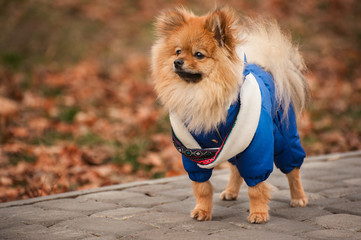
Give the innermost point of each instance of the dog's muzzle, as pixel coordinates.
(187, 76)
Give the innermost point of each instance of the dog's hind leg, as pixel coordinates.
(233, 186)
(203, 191)
(259, 196)
(298, 196)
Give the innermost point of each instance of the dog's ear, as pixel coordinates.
(223, 23)
(170, 20)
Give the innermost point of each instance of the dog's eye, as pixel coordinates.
(178, 52)
(199, 55)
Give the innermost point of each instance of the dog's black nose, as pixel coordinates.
(178, 63)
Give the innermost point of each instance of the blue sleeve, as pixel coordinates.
(255, 164)
(196, 173)
(289, 153)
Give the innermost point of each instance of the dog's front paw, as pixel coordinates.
(299, 202)
(201, 215)
(229, 195)
(258, 217)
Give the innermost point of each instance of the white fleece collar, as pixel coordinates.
(243, 130)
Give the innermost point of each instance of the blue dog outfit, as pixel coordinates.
(253, 137)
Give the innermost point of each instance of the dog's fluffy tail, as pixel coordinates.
(266, 45)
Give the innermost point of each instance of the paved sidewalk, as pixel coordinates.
(160, 209)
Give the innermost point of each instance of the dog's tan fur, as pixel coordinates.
(223, 38)
(204, 196)
(259, 196)
(298, 196)
(233, 186)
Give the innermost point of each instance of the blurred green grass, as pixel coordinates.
(35, 32)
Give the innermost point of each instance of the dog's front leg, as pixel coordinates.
(259, 196)
(233, 186)
(203, 191)
(298, 196)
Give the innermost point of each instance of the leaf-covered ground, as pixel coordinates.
(77, 107)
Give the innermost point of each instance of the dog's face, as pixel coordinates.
(191, 50)
(195, 66)
(191, 46)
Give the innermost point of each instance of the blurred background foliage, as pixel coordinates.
(77, 107)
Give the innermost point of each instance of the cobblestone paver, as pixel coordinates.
(160, 209)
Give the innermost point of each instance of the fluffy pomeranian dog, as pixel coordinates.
(233, 87)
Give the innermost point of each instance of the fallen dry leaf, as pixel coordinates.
(8, 107)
